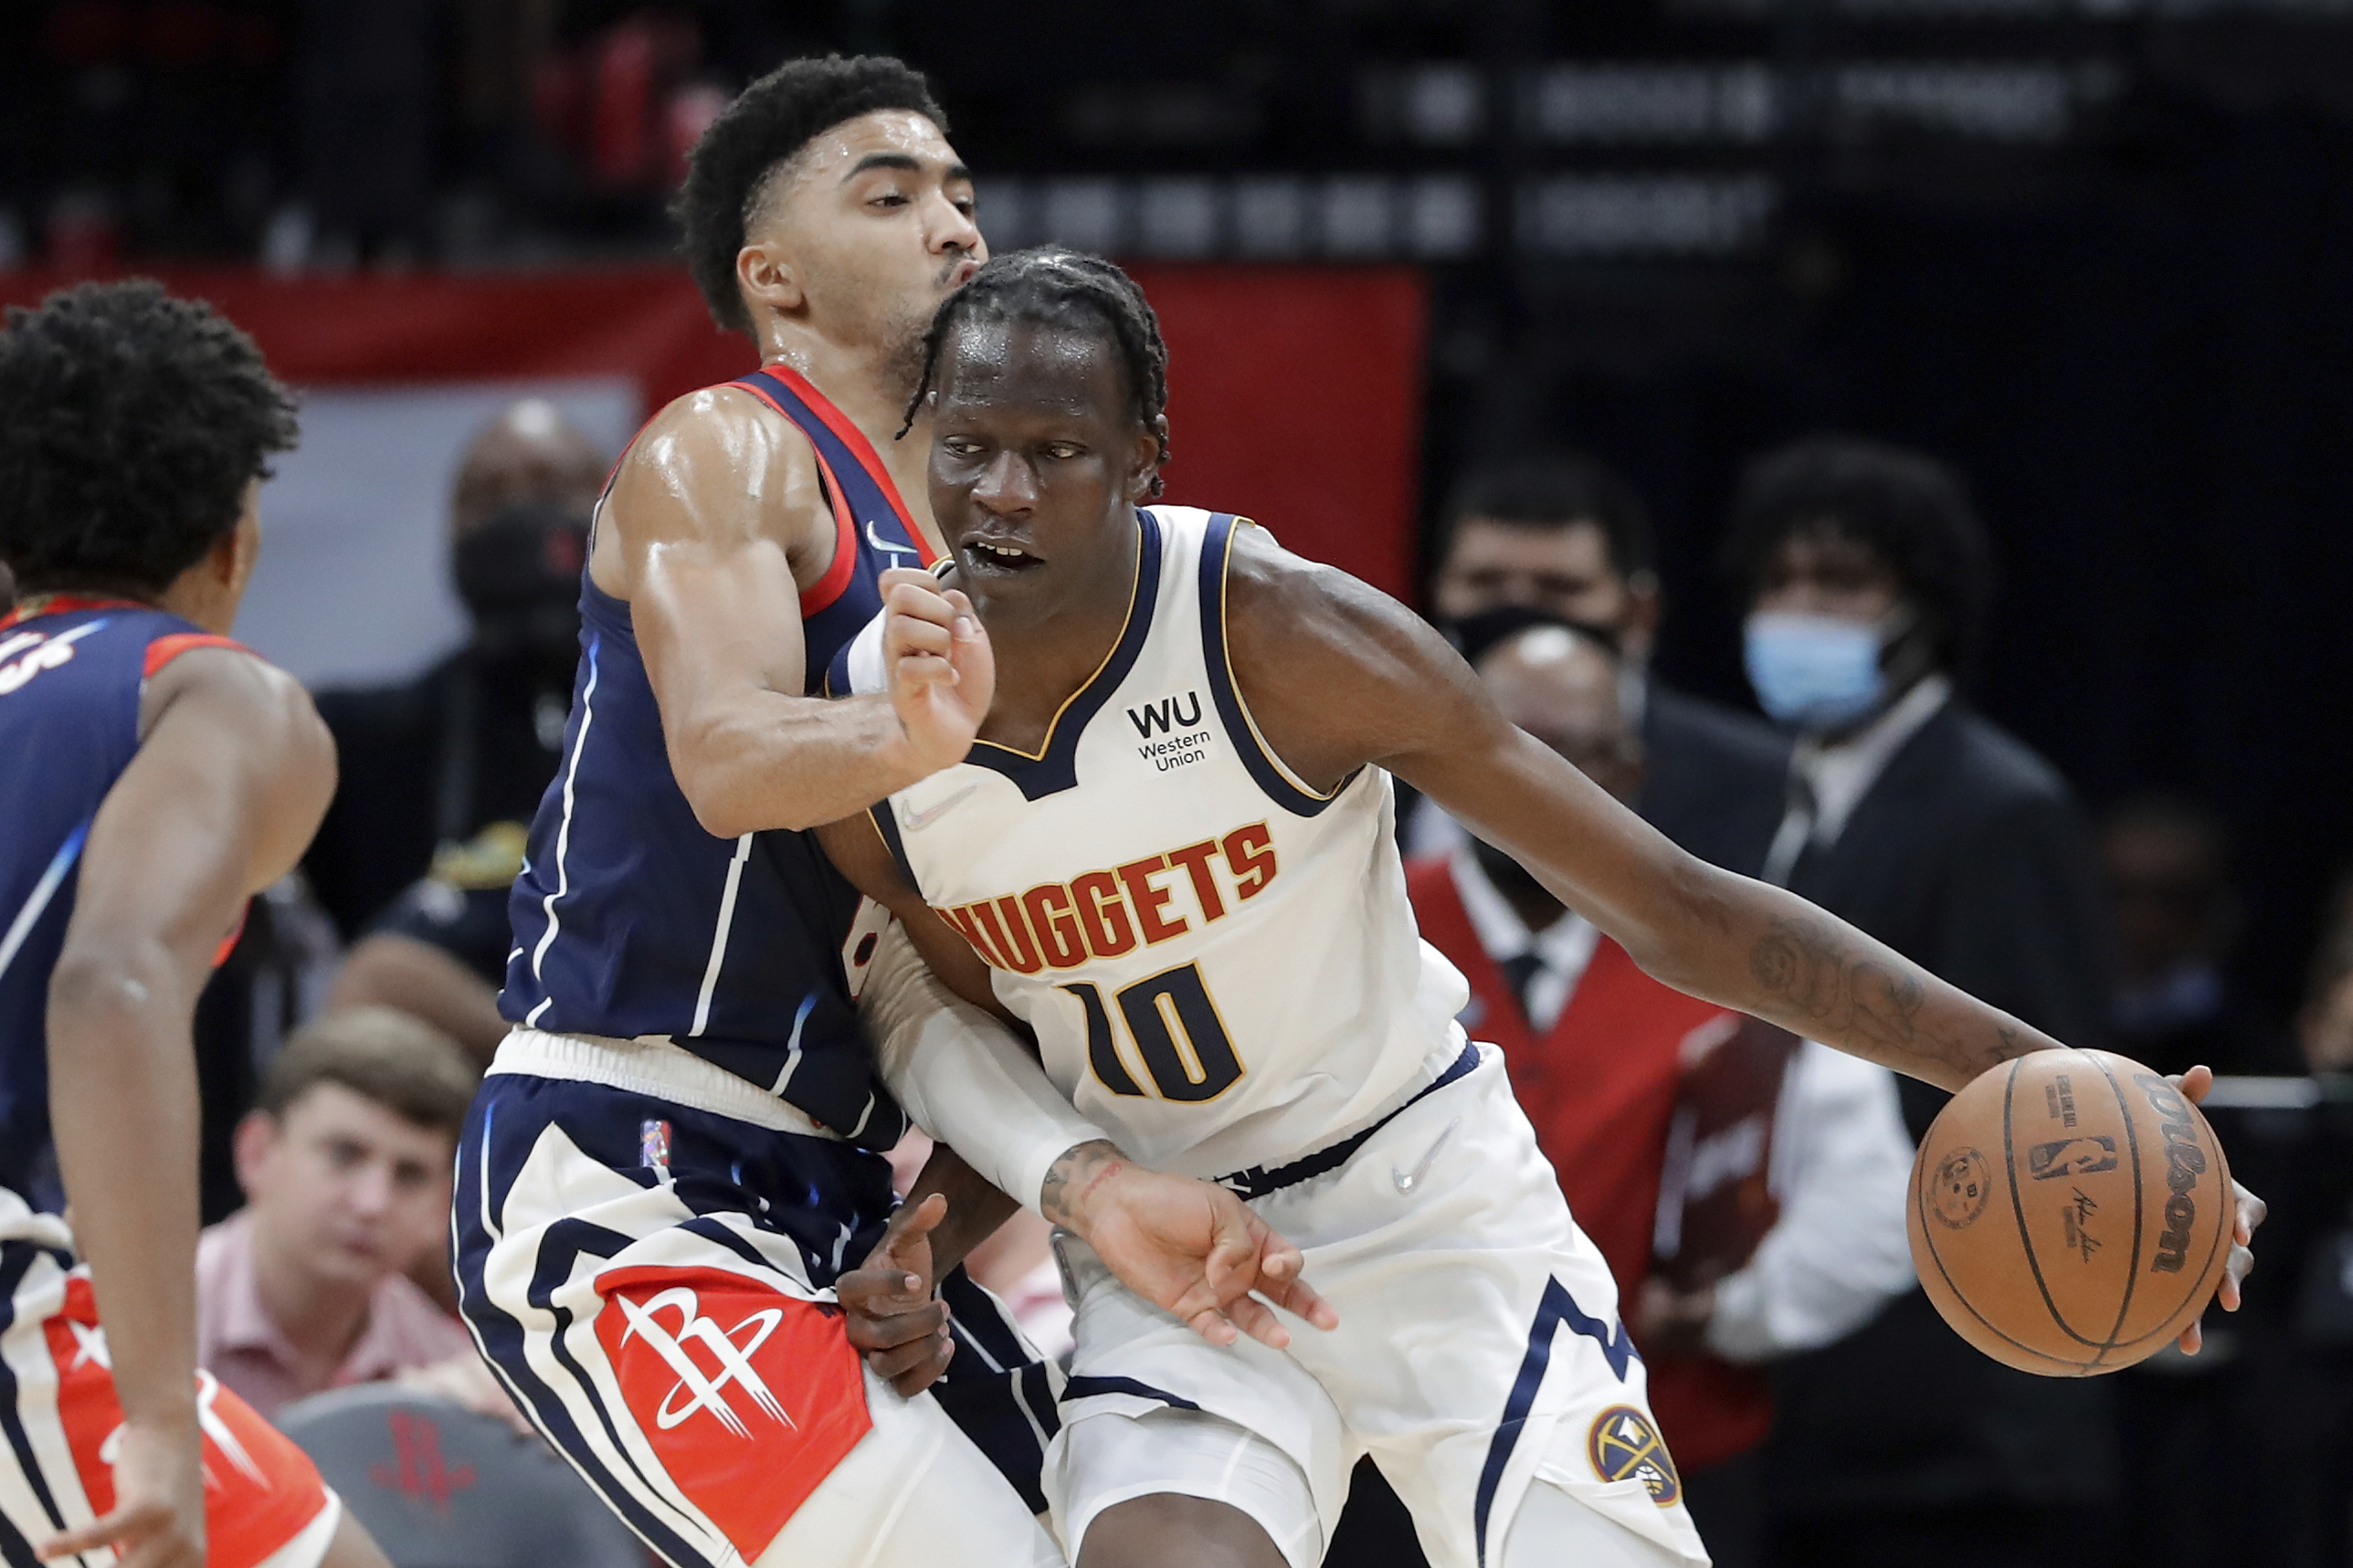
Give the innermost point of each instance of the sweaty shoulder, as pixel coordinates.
(1335, 673)
(716, 467)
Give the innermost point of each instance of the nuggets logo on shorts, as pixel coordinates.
(1625, 1445)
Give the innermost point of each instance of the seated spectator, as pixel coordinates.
(345, 1161)
(441, 773)
(1564, 534)
(2166, 860)
(1746, 1189)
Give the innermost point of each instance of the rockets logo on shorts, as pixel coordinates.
(703, 1359)
(261, 1489)
(1625, 1445)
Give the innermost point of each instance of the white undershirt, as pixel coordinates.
(1563, 949)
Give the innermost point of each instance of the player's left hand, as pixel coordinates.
(2193, 1086)
(942, 671)
(894, 1321)
(158, 1517)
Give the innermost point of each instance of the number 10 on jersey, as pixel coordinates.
(1176, 1032)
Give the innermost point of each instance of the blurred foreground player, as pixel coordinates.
(153, 775)
(673, 1159)
(1169, 852)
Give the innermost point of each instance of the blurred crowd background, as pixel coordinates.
(2076, 275)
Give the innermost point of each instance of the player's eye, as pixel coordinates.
(960, 447)
(1063, 450)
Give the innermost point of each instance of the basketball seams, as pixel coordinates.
(1928, 1236)
(2132, 1148)
(2025, 1236)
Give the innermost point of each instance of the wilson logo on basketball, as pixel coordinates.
(2185, 1161)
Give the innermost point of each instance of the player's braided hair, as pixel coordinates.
(767, 123)
(1064, 288)
(130, 423)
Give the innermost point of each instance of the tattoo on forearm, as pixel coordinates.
(1804, 970)
(1075, 1177)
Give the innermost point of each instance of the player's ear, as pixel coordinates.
(1150, 451)
(767, 277)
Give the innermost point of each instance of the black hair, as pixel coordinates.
(1911, 509)
(1554, 491)
(767, 123)
(1064, 288)
(130, 423)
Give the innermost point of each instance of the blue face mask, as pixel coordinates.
(1819, 672)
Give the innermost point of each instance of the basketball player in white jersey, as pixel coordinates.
(1170, 854)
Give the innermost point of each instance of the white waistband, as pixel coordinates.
(656, 1068)
(20, 1221)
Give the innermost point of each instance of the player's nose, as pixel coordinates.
(1008, 486)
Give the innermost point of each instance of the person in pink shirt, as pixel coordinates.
(345, 1163)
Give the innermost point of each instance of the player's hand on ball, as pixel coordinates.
(158, 1517)
(894, 1318)
(1197, 1251)
(942, 671)
(2193, 1086)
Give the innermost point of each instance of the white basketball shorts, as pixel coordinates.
(1478, 1354)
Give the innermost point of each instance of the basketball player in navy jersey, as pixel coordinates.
(153, 776)
(1170, 853)
(673, 1159)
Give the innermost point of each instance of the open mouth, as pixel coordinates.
(993, 558)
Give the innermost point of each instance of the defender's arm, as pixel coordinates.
(715, 519)
(227, 786)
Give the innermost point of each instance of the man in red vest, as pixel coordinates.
(1746, 1187)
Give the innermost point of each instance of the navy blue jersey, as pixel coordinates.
(629, 919)
(71, 671)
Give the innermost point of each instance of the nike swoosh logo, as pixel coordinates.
(919, 820)
(1407, 1181)
(879, 543)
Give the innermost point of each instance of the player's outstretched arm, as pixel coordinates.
(229, 783)
(1338, 675)
(1189, 1246)
(716, 516)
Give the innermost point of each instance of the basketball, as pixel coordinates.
(2070, 1213)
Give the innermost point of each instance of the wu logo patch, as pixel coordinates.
(1625, 1445)
(1168, 715)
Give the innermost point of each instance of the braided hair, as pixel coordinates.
(1068, 288)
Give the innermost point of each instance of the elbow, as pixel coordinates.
(1691, 911)
(92, 983)
(728, 795)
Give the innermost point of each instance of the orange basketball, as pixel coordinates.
(2070, 1213)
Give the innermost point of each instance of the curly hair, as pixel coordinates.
(1064, 288)
(130, 423)
(1911, 509)
(769, 122)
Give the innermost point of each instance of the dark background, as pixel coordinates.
(2121, 307)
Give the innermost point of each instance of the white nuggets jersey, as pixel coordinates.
(1220, 963)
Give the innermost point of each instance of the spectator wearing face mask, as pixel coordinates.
(440, 774)
(1866, 577)
(1563, 533)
